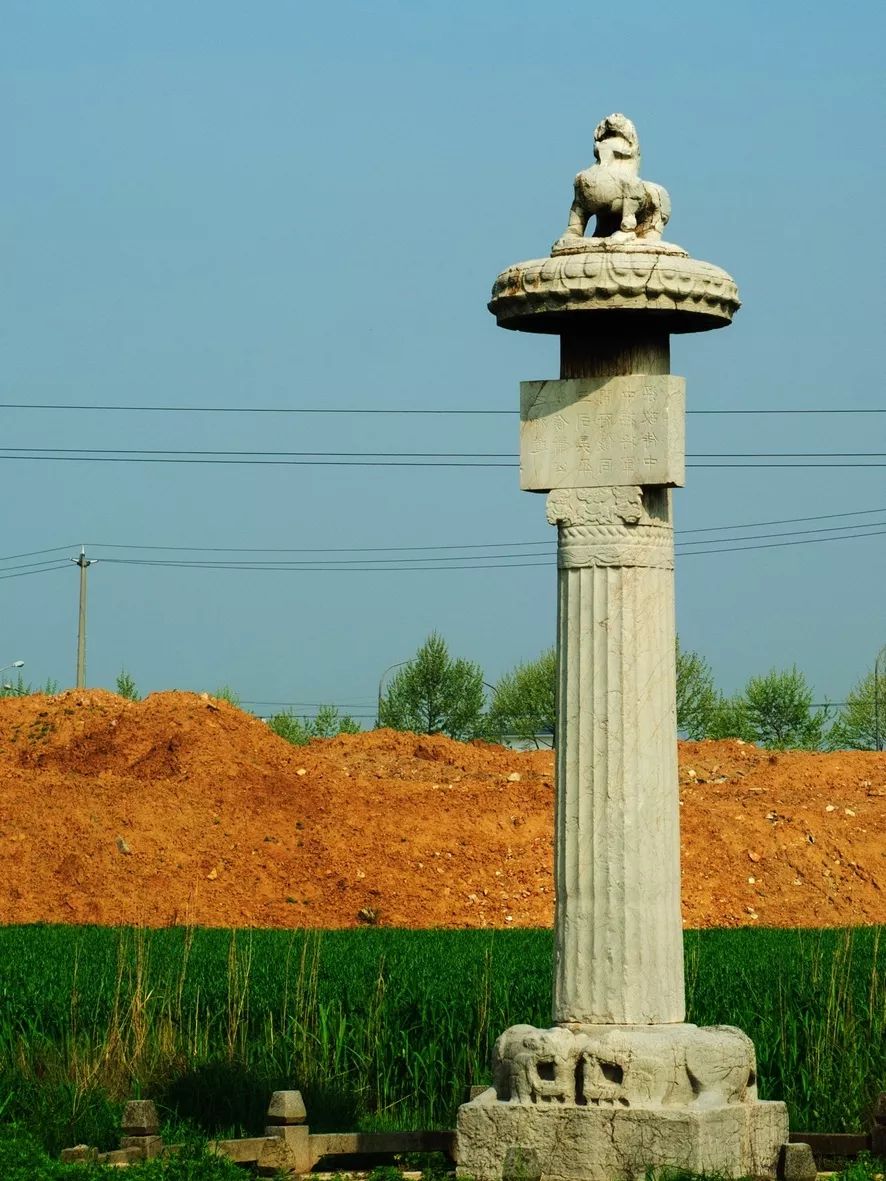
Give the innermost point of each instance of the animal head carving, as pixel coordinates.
(615, 138)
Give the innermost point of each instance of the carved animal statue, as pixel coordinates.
(536, 1065)
(626, 207)
(708, 1067)
(722, 1066)
(615, 1072)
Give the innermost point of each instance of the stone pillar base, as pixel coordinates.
(514, 1142)
(607, 1102)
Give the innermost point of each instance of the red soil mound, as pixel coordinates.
(182, 809)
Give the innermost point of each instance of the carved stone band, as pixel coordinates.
(614, 545)
(629, 505)
(626, 1066)
(689, 294)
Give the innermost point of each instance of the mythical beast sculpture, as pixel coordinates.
(627, 208)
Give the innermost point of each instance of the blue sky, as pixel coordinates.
(289, 205)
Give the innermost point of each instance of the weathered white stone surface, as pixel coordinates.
(620, 1083)
(625, 207)
(798, 1163)
(286, 1107)
(618, 929)
(601, 1103)
(625, 1066)
(542, 294)
(602, 432)
(623, 266)
(559, 1143)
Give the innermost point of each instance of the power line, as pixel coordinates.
(45, 570)
(33, 565)
(389, 463)
(35, 552)
(790, 533)
(354, 567)
(313, 704)
(357, 717)
(778, 544)
(58, 458)
(804, 410)
(190, 452)
(727, 466)
(363, 410)
(88, 452)
(490, 545)
(783, 454)
(787, 521)
(251, 409)
(723, 548)
(271, 564)
(347, 549)
(215, 549)
(330, 562)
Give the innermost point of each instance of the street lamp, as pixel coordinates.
(381, 679)
(15, 664)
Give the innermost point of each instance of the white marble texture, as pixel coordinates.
(619, 933)
(602, 432)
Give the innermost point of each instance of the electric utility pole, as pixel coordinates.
(84, 563)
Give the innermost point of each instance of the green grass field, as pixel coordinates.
(382, 1028)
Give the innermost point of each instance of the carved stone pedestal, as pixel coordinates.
(607, 1102)
(553, 1143)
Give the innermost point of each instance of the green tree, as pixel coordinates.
(697, 697)
(326, 723)
(435, 694)
(126, 686)
(525, 701)
(861, 722)
(729, 719)
(779, 711)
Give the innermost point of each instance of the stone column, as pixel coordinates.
(620, 1083)
(619, 934)
(619, 949)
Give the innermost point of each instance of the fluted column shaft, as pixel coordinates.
(619, 933)
(617, 854)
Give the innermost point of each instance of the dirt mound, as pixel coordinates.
(182, 808)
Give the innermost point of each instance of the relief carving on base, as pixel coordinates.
(625, 1066)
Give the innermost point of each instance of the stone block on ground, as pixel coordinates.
(797, 1163)
(140, 1118)
(79, 1154)
(150, 1146)
(286, 1107)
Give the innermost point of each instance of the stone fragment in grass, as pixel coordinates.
(140, 1118)
(797, 1163)
(286, 1108)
